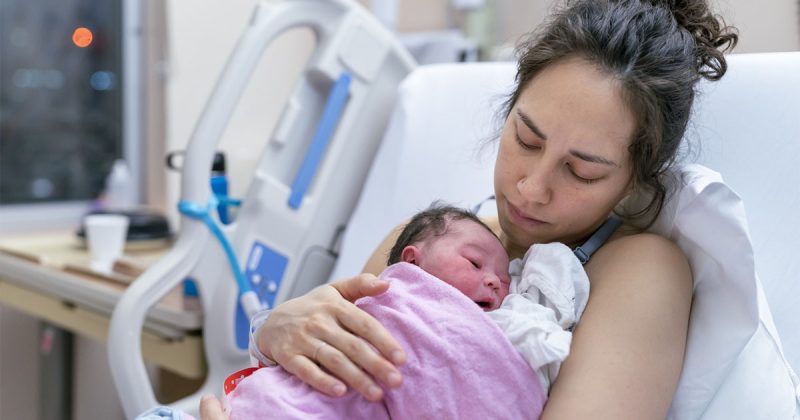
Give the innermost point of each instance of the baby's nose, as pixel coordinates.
(491, 281)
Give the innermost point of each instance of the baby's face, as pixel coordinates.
(469, 258)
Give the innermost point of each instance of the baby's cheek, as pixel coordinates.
(503, 292)
(469, 289)
(465, 282)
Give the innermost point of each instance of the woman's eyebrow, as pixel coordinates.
(592, 158)
(529, 123)
(580, 155)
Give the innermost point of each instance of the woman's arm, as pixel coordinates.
(326, 319)
(627, 351)
(377, 261)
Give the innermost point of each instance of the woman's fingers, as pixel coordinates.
(360, 286)
(309, 372)
(341, 365)
(348, 354)
(211, 409)
(293, 331)
(363, 326)
(325, 340)
(343, 353)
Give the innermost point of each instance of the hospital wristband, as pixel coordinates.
(257, 358)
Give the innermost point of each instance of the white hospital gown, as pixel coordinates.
(548, 293)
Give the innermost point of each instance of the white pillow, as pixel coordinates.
(734, 365)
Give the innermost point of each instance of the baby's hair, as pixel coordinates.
(431, 222)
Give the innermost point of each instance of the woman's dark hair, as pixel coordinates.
(656, 50)
(430, 223)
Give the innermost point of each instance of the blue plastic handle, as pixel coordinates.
(337, 99)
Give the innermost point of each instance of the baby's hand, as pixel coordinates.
(211, 408)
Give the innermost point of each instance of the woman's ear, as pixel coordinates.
(410, 254)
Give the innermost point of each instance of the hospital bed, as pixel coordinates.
(745, 128)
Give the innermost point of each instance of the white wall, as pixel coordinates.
(766, 26)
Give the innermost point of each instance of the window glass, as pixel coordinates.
(60, 98)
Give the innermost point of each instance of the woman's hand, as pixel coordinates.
(325, 329)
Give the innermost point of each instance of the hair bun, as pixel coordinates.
(712, 35)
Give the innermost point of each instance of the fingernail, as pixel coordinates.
(339, 390)
(398, 357)
(394, 379)
(374, 392)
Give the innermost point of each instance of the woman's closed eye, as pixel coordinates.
(580, 178)
(526, 146)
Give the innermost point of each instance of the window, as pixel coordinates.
(68, 104)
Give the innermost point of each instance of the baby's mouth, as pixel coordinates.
(486, 305)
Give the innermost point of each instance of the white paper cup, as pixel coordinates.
(105, 236)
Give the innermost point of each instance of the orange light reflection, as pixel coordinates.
(82, 37)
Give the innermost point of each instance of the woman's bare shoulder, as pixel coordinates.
(377, 262)
(638, 253)
(494, 224)
(633, 329)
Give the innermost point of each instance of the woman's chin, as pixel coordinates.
(517, 241)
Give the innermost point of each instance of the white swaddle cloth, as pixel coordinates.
(549, 290)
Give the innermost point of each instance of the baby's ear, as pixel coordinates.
(410, 254)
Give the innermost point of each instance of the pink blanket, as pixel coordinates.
(459, 364)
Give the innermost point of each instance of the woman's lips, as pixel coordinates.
(520, 217)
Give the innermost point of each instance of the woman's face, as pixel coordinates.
(563, 160)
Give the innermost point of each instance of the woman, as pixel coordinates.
(602, 101)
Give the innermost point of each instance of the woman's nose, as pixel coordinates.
(535, 186)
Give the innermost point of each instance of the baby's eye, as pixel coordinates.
(475, 264)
